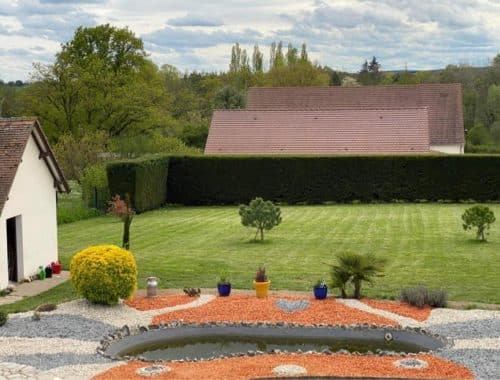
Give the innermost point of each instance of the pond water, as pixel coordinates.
(205, 342)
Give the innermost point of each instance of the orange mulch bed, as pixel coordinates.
(419, 314)
(315, 364)
(252, 309)
(145, 303)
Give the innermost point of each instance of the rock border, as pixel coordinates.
(137, 330)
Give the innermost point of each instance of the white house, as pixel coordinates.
(29, 180)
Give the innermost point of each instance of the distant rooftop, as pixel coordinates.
(335, 131)
(443, 101)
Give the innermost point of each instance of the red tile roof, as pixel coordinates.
(14, 135)
(396, 130)
(444, 103)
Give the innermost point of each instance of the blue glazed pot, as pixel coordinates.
(320, 292)
(224, 289)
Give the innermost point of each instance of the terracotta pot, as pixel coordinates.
(261, 288)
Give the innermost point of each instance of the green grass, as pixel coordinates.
(71, 207)
(424, 243)
(61, 293)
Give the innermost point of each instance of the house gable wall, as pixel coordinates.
(33, 197)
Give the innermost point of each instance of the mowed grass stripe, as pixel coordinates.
(191, 246)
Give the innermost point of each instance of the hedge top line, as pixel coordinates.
(301, 156)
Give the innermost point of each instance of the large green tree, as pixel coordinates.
(100, 80)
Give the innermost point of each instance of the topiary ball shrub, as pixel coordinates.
(104, 273)
(3, 318)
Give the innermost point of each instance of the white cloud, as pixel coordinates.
(194, 35)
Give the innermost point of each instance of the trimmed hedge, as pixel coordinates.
(145, 180)
(200, 180)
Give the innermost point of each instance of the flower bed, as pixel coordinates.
(314, 364)
(145, 303)
(419, 314)
(251, 309)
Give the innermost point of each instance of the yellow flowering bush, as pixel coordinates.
(104, 273)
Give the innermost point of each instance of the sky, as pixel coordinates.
(198, 35)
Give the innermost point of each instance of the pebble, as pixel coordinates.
(289, 370)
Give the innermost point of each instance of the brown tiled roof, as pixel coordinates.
(444, 103)
(335, 131)
(14, 135)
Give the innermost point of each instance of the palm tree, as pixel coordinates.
(356, 268)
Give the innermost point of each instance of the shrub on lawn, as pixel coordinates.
(355, 268)
(3, 318)
(416, 296)
(480, 217)
(121, 209)
(261, 214)
(437, 298)
(104, 273)
(420, 296)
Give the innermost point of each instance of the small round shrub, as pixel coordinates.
(104, 273)
(3, 318)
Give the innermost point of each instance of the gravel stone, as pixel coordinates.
(152, 370)
(473, 329)
(411, 363)
(57, 326)
(45, 362)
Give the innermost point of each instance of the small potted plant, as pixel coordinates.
(224, 286)
(320, 289)
(261, 283)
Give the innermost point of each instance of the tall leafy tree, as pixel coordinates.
(272, 55)
(291, 55)
(235, 64)
(100, 80)
(374, 66)
(303, 53)
(279, 59)
(229, 97)
(257, 60)
(493, 104)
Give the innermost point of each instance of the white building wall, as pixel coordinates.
(449, 149)
(33, 197)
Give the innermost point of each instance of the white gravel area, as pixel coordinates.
(441, 316)
(76, 372)
(403, 321)
(63, 343)
(29, 346)
(489, 343)
(121, 314)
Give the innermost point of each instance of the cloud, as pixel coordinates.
(196, 35)
(181, 39)
(192, 20)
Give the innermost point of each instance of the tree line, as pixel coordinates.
(102, 96)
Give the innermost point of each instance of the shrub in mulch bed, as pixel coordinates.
(315, 364)
(145, 303)
(252, 309)
(405, 310)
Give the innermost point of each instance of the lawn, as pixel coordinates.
(191, 246)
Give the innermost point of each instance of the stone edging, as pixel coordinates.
(137, 330)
